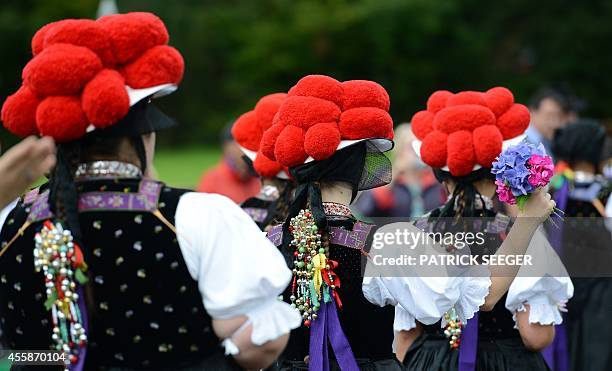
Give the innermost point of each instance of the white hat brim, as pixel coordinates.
(252, 154)
(381, 144)
(136, 95)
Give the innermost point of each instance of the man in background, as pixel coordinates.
(551, 109)
(231, 177)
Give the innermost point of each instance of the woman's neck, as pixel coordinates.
(485, 187)
(338, 192)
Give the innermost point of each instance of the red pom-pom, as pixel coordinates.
(161, 64)
(365, 122)
(38, 40)
(437, 100)
(19, 112)
(265, 167)
(61, 118)
(304, 112)
(289, 150)
(267, 107)
(82, 32)
(514, 122)
(132, 34)
(466, 97)
(422, 124)
(487, 144)
(268, 140)
(364, 93)
(461, 157)
(105, 100)
(499, 100)
(62, 69)
(321, 140)
(319, 86)
(464, 117)
(433, 149)
(246, 132)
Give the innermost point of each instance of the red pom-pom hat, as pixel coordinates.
(248, 132)
(466, 131)
(104, 66)
(322, 115)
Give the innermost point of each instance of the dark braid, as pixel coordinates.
(281, 206)
(464, 194)
(63, 197)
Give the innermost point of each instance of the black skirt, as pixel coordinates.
(589, 326)
(432, 353)
(363, 364)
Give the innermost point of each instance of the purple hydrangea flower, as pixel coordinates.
(513, 169)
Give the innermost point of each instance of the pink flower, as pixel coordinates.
(504, 192)
(541, 169)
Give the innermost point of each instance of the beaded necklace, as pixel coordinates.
(314, 279)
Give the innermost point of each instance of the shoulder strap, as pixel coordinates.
(145, 200)
(256, 213)
(355, 239)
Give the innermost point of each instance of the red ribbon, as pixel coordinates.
(335, 280)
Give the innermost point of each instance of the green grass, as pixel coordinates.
(183, 167)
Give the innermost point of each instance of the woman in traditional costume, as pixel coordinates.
(111, 268)
(271, 205)
(459, 136)
(584, 243)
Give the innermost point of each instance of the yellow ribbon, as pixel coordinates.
(318, 262)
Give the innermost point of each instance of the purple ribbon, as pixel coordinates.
(469, 345)
(555, 354)
(327, 327)
(80, 365)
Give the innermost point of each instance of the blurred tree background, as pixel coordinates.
(239, 50)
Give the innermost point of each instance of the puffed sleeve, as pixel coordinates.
(544, 284)
(420, 291)
(239, 272)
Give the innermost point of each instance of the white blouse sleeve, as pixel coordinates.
(424, 292)
(403, 320)
(239, 272)
(6, 211)
(544, 285)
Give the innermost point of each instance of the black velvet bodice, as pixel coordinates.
(144, 308)
(368, 328)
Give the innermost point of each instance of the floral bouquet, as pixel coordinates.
(520, 170)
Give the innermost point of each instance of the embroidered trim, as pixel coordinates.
(336, 209)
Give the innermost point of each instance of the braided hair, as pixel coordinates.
(462, 202)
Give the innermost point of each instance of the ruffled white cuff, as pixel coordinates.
(542, 313)
(271, 320)
(403, 320)
(474, 290)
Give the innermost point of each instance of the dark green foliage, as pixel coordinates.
(236, 51)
